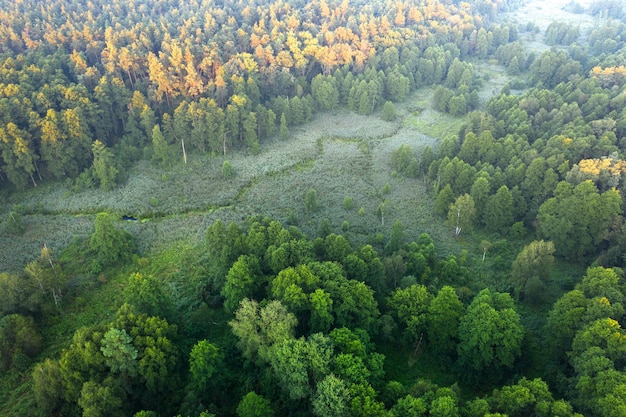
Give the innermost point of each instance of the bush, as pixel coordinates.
(109, 244)
(15, 223)
(228, 171)
(348, 204)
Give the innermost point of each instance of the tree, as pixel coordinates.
(19, 340)
(254, 405)
(109, 244)
(45, 278)
(310, 200)
(534, 261)
(204, 360)
(288, 359)
(480, 193)
(363, 402)
(119, 353)
(321, 311)
(18, 155)
(442, 98)
(48, 386)
(15, 223)
(444, 314)
(395, 238)
(527, 397)
(485, 245)
(324, 92)
(410, 406)
(331, 398)
(382, 210)
(461, 214)
(243, 280)
(490, 335)
(284, 130)
(601, 282)
(444, 199)
(160, 148)
(228, 171)
(444, 406)
(457, 105)
(257, 329)
(564, 319)
(98, 400)
(104, 165)
(292, 286)
(250, 133)
(389, 112)
(605, 333)
(578, 219)
(157, 355)
(410, 306)
(354, 305)
(499, 210)
(148, 296)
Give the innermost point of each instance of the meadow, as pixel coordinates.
(338, 155)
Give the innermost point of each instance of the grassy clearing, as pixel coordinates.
(340, 155)
(416, 114)
(434, 124)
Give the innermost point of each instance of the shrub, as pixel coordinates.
(109, 244)
(228, 171)
(310, 200)
(348, 204)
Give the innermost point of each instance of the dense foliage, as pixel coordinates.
(82, 98)
(259, 319)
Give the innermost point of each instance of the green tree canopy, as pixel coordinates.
(204, 361)
(535, 261)
(109, 244)
(254, 405)
(490, 335)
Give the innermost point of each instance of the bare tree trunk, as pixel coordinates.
(37, 169)
(182, 141)
(224, 140)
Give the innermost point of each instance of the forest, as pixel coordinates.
(328, 208)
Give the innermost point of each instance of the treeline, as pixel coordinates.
(306, 320)
(87, 89)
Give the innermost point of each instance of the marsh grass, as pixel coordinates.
(339, 155)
